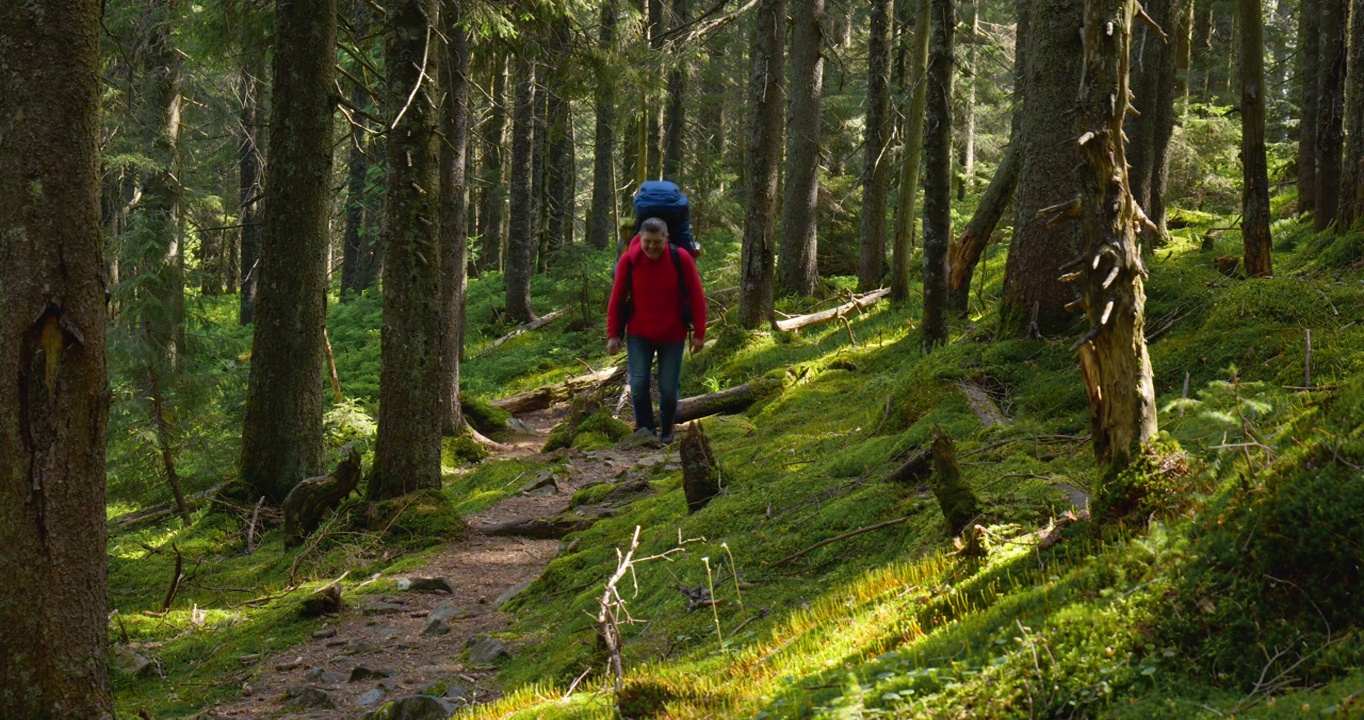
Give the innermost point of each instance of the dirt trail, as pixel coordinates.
(385, 633)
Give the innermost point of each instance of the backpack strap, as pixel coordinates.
(685, 307)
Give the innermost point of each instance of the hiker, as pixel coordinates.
(662, 199)
(656, 301)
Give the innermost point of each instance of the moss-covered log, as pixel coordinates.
(542, 397)
(725, 402)
(311, 499)
(959, 505)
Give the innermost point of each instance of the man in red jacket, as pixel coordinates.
(656, 300)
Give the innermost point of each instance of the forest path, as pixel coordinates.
(386, 634)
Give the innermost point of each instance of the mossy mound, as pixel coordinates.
(462, 450)
(483, 416)
(1156, 483)
(419, 519)
(591, 431)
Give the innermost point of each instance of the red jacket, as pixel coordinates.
(657, 315)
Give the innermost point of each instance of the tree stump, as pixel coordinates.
(305, 505)
(959, 505)
(700, 473)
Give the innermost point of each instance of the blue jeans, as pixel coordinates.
(641, 359)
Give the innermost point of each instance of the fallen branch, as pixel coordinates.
(176, 579)
(857, 303)
(552, 528)
(725, 402)
(156, 512)
(545, 396)
(836, 538)
(535, 324)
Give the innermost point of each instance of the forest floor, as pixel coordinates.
(379, 650)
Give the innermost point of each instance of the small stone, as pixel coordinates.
(313, 674)
(323, 602)
(372, 697)
(436, 628)
(338, 642)
(414, 707)
(426, 585)
(249, 659)
(390, 684)
(641, 438)
(361, 648)
(290, 665)
(447, 611)
(362, 672)
(543, 480)
(324, 633)
(510, 593)
(486, 650)
(310, 698)
(379, 607)
(131, 662)
(331, 678)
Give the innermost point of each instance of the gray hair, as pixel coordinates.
(653, 225)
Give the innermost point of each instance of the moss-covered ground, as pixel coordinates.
(1233, 588)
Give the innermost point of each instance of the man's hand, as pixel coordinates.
(696, 249)
(697, 345)
(613, 346)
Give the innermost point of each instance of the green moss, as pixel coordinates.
(602, 427)
(483, 416)
(416, 520)
(461, 450)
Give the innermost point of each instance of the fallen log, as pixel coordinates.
(725, 402)
(857, 303)
(982, 405)
(314, 497)
(156, 512)
(542, 397)
(535, 324)
(917, 467)
(552, 528)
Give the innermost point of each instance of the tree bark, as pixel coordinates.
(1113, 359)
(1352, 185)
(675, 124)
(454, 235)
(767, 57)
(250, 170)
(733, 400)
(493, 214)
(905, 217)
(602, 230)
(876, 150)
(1034, 299)
(1254, 166)
(1330, 110)
(797, 268)
(282, 436)
(407, 451)
(53, 377)
(356, 242)
(560, 170)
(966, 145)
(700, 472)
(938, 172)
(1309, 68)
(966, 250)
(521, 241)
(1169, 15)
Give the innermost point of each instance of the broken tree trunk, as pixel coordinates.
(725, 402)
(542, 397)
(700, 473)
(959, 505)
(857, 303)
(305, 505)
(916, 467)
(535, 324)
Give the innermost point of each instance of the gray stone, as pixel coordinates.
(130, 662)
(361, 648)
(510, 593)
(519, 425)
(372, 697)
(313, 674)
(641, 438)
(332, 678)
(309, 697)
(436, 628)
(448, 688)
(447, 611)
(379, 607)
(362, 672)
(324, 633)
(426, 585)
(414, 707)
(486, 650)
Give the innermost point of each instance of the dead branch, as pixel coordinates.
(857, 303)
(176, 579)
(836, 538)
(535, 324)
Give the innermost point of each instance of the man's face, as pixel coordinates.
(653, 243)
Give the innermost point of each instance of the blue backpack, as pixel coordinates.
(662, 199)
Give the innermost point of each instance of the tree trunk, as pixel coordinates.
(454, 236)
(493, 215)
(1352, 185)
(1113, 360)
(1169, 15)
(966, 145)
(675, 124)
(651, 155)
(914, 141)
(602, 230)
(545, 89)
(938, 172)
(282, 437)
(876, 151)
(407, 452)
(700, 472)
(967, 249)
(1034, 299)
(521, 240)
(1254, 166)
(1330, 110)
(1309, 68)
(797, 269)
(250, 171)
(767, 57)
(356, 242)
(560, 163)
(53, 376)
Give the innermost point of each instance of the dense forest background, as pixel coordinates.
(313, 226)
